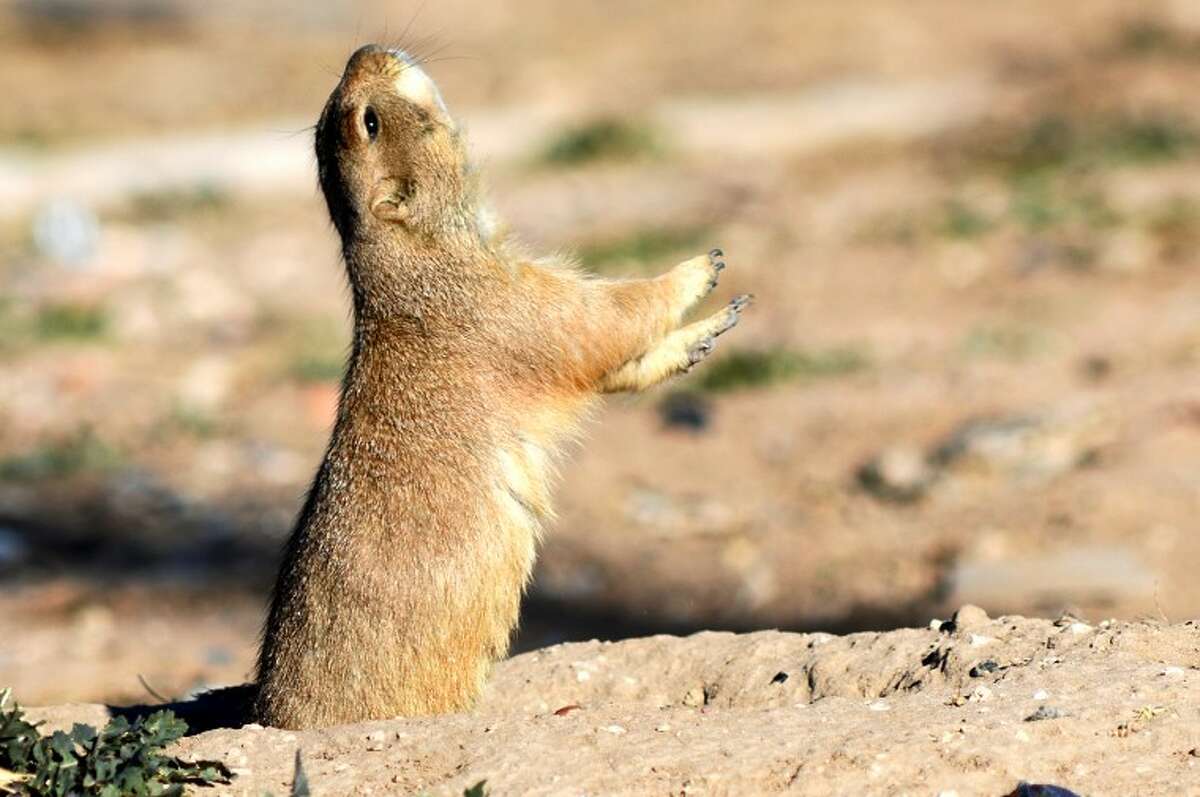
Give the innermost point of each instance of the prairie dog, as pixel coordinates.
(402, 580)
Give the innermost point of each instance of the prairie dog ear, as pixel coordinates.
(389, 200)
(413, 84)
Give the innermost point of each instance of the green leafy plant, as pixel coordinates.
(119, 760)
(300, 787)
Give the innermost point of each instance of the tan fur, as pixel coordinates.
(470, 366)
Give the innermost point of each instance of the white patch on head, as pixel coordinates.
(415, 85)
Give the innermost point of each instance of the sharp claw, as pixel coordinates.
(741, 301)
(700, 351)
(716, 254)
(719, 265)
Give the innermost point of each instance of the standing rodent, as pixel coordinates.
(402, 581)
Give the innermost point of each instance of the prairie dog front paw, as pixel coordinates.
(696, 278)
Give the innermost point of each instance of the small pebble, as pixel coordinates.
(983, 668)
(663, 728)
(1173, 672)
(879, 705)
(615, 730)
(978, 640)
(1041, 694)
(980, 694)
(1046, 713)
(970, 616)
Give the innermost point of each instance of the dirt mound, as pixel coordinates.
(971, 706)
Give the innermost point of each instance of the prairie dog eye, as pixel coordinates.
(371, 122)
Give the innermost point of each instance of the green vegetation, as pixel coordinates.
(314, 348)
(29, 139)
(1176, 225)
(78, 453)
(66, 321)
(1004, 342)
(1148, 37)
(300, 787)
(22, 324)
(1053, 172)
(961, 220)
(1055, 143)
(1145, 36)
(174, 203)
(191, 421)
(1039, 205)
(759, 368)
(317, 368)
(645, 247)
(121, 760)
(11, 326)
(607, 138)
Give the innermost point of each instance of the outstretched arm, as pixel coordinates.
(676, 353)
(613, 335)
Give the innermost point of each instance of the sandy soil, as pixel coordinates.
(970, 708)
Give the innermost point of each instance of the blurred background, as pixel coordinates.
(971, 375)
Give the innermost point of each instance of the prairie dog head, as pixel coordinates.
(388, 153)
